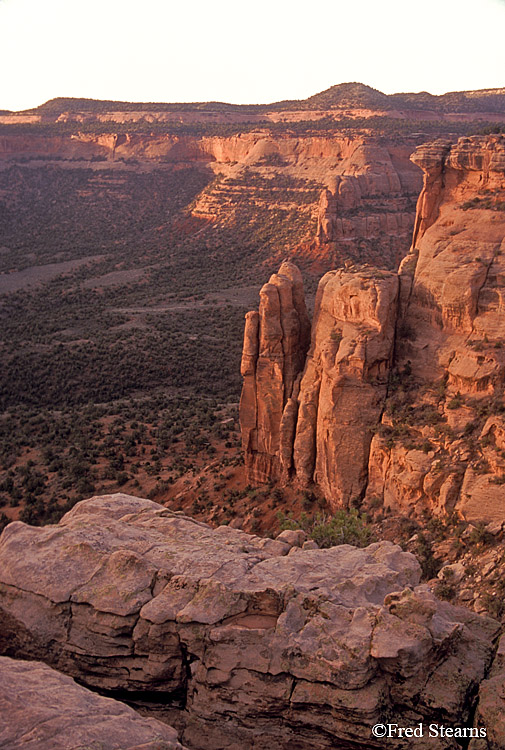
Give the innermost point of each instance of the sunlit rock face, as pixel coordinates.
(275, 344)
(316, 426)
(400, 401)
(451, 331)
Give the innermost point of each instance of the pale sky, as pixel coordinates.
(228, 50)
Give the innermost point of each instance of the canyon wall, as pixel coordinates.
(442, 439)
(435, 408)
(356, 196)
(317, 426)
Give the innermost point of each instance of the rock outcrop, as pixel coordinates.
(490, 711)
(275, 343)
(319, 426)
(344, 383)
(44, 710)
(439, 446)
(371, 196)
(240, 642)
(360, 194)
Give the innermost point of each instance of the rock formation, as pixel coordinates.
(344, 382)
(442, 438)
(491, 706)
(372, 187)
(239, 642)
(275, 344)
(320, 426)
(371, 197)
(45, 710)
(442, 434)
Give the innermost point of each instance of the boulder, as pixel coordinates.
(43, 709)
(228, 637)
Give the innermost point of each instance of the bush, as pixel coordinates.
(345, 527)
(429, 565)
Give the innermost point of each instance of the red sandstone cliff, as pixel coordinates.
(356, 197)
(318, 428)
(275, 343)
(441, 438)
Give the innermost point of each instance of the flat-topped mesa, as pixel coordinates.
(451, 333)
(317, 427)
(276, 340)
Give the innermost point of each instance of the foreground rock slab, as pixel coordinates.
(240, 642)
(42, 709)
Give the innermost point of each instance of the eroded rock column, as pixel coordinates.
(344, 383)
(275, 343)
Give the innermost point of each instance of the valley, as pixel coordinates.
(190, 489)
(132, 245)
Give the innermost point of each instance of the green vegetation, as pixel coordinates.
(489, 199)
(445, 587)
(344, 527)
(52, 458)
(139, 315)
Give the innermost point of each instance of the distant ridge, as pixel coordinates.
(343, 95)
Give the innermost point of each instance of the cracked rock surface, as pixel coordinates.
(232, 640)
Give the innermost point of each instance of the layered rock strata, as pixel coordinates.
(241, 642)
(360, 194)
(440, 443)
(44, 710)
(371, 198)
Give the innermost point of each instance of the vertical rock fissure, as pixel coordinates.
(484, 282)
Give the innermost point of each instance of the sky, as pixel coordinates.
(227, 50)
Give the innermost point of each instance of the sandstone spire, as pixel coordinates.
(318, 425)
(275, 343)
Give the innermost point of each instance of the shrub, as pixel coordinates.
(455, 402)
(345, 527)
(429, 565)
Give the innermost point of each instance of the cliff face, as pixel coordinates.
(344, 382)
(440, 439)
(372, 195)
(317, 427)
(275, 343)
(355, 197)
